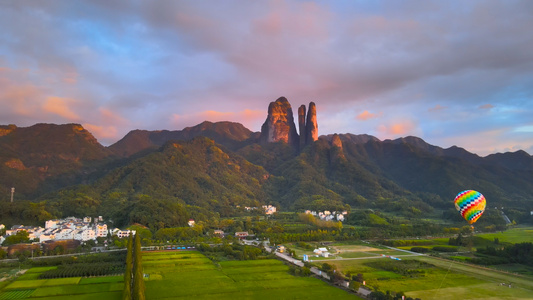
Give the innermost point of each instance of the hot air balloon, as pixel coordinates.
(470, 204)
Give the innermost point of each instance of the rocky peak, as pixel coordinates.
(336, 141)
(336, 151)
(279, 125)
(301, 127)
(311, 126)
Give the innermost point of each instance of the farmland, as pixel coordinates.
(513, 235)
(345, 250)
(428, 277)
(29, 286)
(189, 274)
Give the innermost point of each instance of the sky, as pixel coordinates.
(450, 72)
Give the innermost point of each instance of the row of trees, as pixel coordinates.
(521, 253)
(84, 270)
(231, 251)
(133, 277)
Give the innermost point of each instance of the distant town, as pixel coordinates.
(70, 228)
(328, 215)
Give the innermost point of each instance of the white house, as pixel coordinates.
(84, 234)
(2, 239)
(2, 226)
(65, 234)
(269, 209)
(241, 234)
(101, 230)
(191, 223)
(47, 237)
(51, 224)
(38, 231)
(321, 252)
(114, 231)
(124, 233)
(87, 220)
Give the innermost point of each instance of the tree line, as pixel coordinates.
(133, 276)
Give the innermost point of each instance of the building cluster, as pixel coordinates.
(70, 228)
(321, 252)
(267, 209)
(327, 215)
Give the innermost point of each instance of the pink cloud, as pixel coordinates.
(60, 107)
(486, 106)
(437, 107)
(366, 115)
(406, 127)
(17, 94)
(110, 117)
(105, 132)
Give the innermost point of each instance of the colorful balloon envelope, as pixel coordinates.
(470, 204)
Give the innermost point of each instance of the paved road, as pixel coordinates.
(410, 252)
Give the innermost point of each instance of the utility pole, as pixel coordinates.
(12, 192)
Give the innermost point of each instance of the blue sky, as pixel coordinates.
(451, 72)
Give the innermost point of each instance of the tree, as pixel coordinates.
(138, 280)
(355, 285)
(20, 237)
(126, 295)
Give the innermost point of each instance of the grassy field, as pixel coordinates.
(342, 250)
(439, 279)
(203, 279)
(513, 235)
(29, 286)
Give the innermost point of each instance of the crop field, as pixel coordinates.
(513, 235)
(253, 279)
(29, 286)
(432, 278)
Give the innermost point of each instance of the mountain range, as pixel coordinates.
(213, 168)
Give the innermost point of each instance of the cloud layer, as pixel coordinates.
(453, 73)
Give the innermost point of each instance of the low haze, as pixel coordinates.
(450, 72)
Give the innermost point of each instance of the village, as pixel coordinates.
(69, 228)
(327, 215)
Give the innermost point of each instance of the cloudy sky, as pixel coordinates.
(451, 72)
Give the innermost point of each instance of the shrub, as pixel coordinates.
(444, 249)
(420, 249)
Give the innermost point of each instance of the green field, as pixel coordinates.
(341, 250)
(253, 279)
(513, 235)
(29, 286)
(439, 279)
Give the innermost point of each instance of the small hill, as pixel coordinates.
(198, 173)
(230, 134)
(29, 156)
